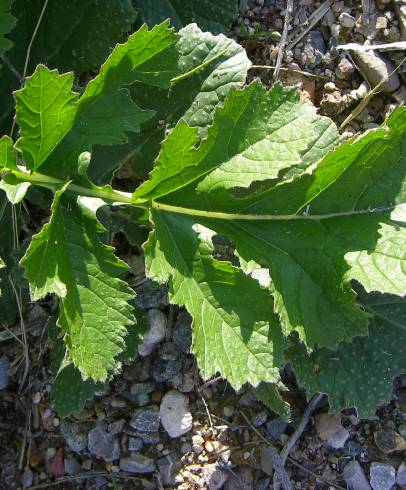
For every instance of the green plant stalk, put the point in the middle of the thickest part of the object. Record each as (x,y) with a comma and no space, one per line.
(115,196)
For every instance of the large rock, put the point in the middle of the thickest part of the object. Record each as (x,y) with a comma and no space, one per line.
(175,416)
(354,476)
(376,68)
(382,476)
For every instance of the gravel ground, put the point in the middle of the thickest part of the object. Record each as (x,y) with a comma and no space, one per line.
(158,425)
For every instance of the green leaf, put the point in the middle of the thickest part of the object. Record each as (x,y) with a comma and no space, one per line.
(69,391)
(215,16)
(14,188)
(359,373)
(305,252)
(45,110)
(270,396)
(8,156)
(105,112)
(242,343)
(213,65)
(7,22)
(67,258)
(90,28)
(266,133)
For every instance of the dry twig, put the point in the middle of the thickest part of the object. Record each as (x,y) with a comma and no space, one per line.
(282,43)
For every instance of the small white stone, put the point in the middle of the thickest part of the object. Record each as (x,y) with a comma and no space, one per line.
(347,20)
(381,23)
(175,416)
(156,333)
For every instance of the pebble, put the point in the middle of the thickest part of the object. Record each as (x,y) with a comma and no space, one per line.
(327,425)
(275,428)
(382,476)
(338,439)
(381,23)
(182,332)
(74,438)
(266,461)
(330,86)
(137,463)
(151,295)
(168,467)
(345,69)
(259,419)
(347,20)
(142,388)
(175,416)
(134,444)
(375,68)
(163,371)
(197,443)
(156,333)
(354,476)
(169,351)
(213,476)
(72,466)
(146,419)
(4,374)
(103,445)
(389,441)
(401,475)
(27,479)
(402,430)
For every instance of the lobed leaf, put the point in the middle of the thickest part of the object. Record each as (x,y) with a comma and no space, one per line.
(359,373)
(7,23)
(215,16)
(242,343)
(345,199)
(45,110)
(208,66)
(67,258)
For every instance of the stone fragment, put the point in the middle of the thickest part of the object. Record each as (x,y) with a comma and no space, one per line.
(389,441)
(72,466)
(151,295)
(175,415)
(103,445)
(327,425)
(266,461)
(338,439)
(375,68)
(146,419)
(182,332)
(382,476)
(74,437)
(213,476)
(137,463)
(275,428)
(156,333)
(354,476)
(27,479)
(347,20)
(401,475)
(134,444)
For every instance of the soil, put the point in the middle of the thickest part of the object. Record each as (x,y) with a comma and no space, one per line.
(226,446)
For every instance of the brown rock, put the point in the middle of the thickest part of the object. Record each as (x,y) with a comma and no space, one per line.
(327,425)
(389,441)
(56,466)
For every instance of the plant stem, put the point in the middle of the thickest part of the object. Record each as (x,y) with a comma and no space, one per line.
(52,183)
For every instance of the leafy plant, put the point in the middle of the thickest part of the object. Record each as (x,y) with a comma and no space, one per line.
(213,15)
(307,219)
